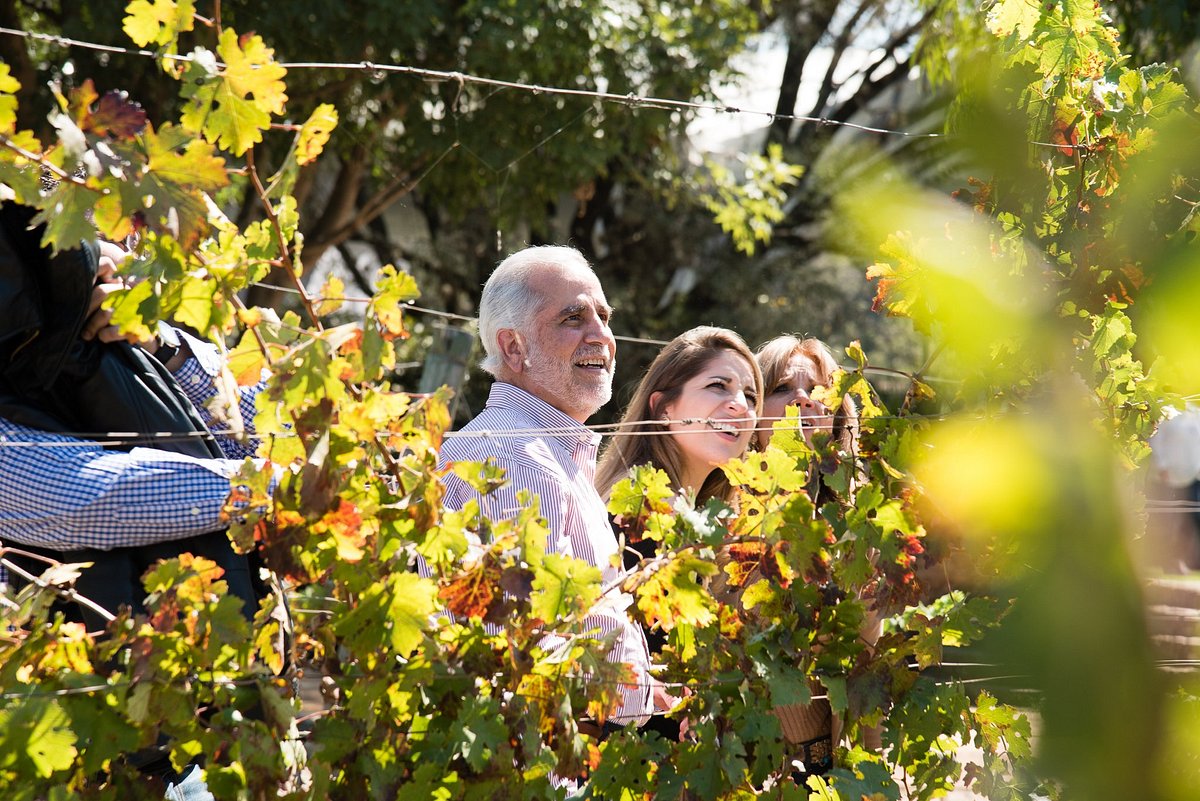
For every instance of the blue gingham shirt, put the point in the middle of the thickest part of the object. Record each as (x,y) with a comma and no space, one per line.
(65,494)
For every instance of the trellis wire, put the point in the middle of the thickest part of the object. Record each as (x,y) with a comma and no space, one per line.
(630,100)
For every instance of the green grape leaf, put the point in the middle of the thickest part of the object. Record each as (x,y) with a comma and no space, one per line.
(1004,728)
(37,732)
(176,158)
(563,587)
(220,107)
(65,214)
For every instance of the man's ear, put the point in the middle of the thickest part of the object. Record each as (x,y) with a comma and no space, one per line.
(512,349)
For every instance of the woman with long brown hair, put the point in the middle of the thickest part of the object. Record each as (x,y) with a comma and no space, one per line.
(701,397)
(694,410)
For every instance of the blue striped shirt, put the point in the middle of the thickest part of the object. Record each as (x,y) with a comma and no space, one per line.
(559,469)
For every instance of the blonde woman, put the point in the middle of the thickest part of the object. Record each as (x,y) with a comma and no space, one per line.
(793,367)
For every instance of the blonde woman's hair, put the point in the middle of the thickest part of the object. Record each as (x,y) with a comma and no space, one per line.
(679,361)
(773,358)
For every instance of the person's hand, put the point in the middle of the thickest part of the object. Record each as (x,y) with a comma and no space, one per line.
(98,324)
(814,416)
(664,701)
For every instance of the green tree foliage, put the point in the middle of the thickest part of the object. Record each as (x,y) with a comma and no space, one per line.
(763,603)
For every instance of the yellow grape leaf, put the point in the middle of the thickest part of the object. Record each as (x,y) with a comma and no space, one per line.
(251,70)
(110,217)
(16,177)
(158,22)
(393,288)
(8,104)
(315,133)
(196,165)
(332,293)
(247,361)
(1014,16)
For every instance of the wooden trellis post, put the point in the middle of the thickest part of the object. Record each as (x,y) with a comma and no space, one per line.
(447,361)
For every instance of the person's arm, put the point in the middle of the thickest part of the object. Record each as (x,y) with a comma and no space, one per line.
(197,376)
(65,494)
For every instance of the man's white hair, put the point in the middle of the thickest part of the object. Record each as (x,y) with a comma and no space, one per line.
(509,302)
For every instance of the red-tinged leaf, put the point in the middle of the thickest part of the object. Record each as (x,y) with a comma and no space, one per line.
(80,100)
(345,525)
(1065,135)
(471,593)
(115,116)
(883,290)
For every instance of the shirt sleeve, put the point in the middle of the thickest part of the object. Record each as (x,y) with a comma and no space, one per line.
(65,494)
(629,641)
(197,377)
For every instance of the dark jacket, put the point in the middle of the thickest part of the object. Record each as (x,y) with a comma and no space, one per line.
(52,380)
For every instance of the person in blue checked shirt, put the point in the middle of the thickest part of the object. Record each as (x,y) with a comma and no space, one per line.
(67,377)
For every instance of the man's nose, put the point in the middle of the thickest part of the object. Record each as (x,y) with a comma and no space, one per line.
(599,333)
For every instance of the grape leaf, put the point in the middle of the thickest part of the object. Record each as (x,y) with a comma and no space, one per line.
(158,22)
(392,288)
(175,157)
(65,214)
(9,86)
(1014,17)
(563,586)
(115,116)
(40,733)
(250,69)
(315,133)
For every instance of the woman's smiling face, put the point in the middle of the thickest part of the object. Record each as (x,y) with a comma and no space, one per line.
(720,402)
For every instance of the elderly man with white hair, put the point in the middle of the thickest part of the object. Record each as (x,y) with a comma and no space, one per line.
(544,321)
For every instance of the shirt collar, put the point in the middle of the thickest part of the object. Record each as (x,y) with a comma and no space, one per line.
(569,432)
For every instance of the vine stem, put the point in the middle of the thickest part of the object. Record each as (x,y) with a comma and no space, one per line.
(40,158)
(289,264)
(65,592)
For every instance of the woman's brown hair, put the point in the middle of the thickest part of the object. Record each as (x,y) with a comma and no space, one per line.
(680,360)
